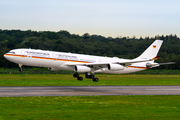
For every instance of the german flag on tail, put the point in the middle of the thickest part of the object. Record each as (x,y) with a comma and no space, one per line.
(155,58)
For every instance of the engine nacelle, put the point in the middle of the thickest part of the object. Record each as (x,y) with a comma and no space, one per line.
(115,67)
(82,69)
(149,65)
(53,69)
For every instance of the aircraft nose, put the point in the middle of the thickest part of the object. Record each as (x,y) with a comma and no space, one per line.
(5,55)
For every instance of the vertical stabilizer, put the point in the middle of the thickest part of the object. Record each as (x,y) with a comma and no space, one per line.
(151,51)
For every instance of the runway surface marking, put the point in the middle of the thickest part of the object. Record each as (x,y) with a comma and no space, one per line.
(89,90)
(162,89)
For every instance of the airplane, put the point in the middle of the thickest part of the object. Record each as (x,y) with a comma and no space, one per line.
(87,64)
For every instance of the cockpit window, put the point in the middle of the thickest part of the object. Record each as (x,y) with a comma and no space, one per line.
(11,52)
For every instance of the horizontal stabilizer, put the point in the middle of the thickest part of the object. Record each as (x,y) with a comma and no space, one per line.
(152,65)
(168,63)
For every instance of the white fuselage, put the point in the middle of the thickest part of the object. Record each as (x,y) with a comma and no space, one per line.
(60,60)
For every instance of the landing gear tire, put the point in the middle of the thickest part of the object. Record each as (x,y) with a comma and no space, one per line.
(80,78)
(76,75)
(95,79)
(89,76)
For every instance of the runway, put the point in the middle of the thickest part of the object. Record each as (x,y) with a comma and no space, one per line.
(89,90)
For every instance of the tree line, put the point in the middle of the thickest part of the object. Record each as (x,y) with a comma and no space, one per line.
(63,41)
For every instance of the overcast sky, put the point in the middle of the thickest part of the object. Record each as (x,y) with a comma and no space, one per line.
(112,18)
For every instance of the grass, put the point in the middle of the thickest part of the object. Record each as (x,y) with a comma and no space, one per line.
(37,70)
(90,107)
(147,107)
(68,80)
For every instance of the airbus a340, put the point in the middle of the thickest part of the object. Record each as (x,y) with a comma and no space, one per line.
(87,64)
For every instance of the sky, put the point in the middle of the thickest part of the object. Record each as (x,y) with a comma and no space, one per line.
(109,18)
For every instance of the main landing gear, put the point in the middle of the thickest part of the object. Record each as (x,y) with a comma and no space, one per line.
(20,67)
(77,76)
(91,76)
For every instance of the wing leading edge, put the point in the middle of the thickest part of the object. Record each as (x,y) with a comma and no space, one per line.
(122,62)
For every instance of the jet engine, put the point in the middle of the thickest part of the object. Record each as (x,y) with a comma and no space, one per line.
(82,69)
(115,67)
(53,69)
(149,65)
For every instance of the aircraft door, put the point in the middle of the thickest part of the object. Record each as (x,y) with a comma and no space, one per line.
(29,55)
(23,54)
(53,62)
(54,56)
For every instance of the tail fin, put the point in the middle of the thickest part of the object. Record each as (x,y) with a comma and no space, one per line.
(152,51)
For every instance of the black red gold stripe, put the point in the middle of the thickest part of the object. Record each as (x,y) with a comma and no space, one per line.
(137,67)
(47,58)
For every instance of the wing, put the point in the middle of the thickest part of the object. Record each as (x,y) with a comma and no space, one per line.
(104,64)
